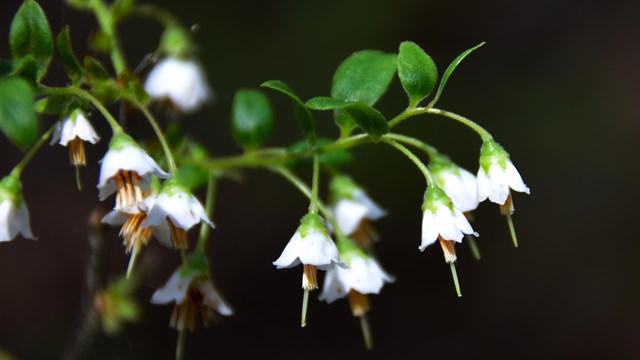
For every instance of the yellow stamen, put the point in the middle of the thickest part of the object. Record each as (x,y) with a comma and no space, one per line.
(507,208)
(449,250)
(128,189)
(77,155)
(309,281)
(359,303)
(178,235)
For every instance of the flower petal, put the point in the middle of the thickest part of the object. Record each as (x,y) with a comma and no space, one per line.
(349,214)
(429,230)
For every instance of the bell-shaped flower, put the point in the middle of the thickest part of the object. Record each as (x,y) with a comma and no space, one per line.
(126,169)
(351,205)
(73,132)
(176,206)
(441,219)
(14,215)
(191,290)
(459,184)
(363,275)
(182,81)
(497,175)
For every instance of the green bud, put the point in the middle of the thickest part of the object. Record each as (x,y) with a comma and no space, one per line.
(176,42)
(434,198)
(492,153)
(312,223)
(11,190)
(121,140)
(342,187)
(348,250)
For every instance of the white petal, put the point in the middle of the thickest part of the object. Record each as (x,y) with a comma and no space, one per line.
(314,249)
(80,127)
(429,230)
(514,179)
(213,299)
(332,288)
(364,275)
(163,234)
(183,82)
(289,257)
(14,220)
(462,223)
(349,214)
(374,211)
(484,185)
(499,185)
(175,290)
(446,225)
(461,187)
(183,210)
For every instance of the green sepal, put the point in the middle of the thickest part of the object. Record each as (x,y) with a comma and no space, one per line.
(30,35)
(362,77)
(369,120)
(26,68)
(175,185)
(69,60)
(312,223)
(251,118)
(120,140)
(196,265)
(417,72)
(349,249)
(493,153)
(342,187)
(18,120)
(302,113)
(94,70)
(11,190)
(434,198)
(176,42)
(442,162)
(454,64)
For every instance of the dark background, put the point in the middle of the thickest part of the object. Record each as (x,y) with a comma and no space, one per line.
(557,85)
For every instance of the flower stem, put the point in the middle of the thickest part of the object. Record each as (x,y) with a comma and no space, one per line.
(423,168)
(159,14)
(512,230)
(208,209)
(366,331)
(484,134)
(163,142)
(418,144)
(105,19)
(313,205)
(115,126)
(473,246)
(17,170)
(181,345)
(305,303)
(407,113)
(454,274)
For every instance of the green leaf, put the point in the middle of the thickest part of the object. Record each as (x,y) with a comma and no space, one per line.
(69,60)
(303,115)
(27,68)
(251,118)
(363,77)
(99,41)
(18,121)
(52,105)
(417,72)
(369,119)
(6,67)
(327,103)
(121,8)
(94,70)
(30,35)
(454,64)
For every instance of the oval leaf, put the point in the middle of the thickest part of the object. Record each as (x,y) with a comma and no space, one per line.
(369,119)
(30,35)
(94,70)
(417,72)
(251,118)
(362,77)
(303,115)
(450,69)
(69,60)
(18,120)
(327,103)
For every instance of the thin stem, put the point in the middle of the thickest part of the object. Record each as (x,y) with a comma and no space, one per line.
(366,331)
(313,205)
(156,13)
(205,229)
(423,168)
(17,170)
(454,274)
(484,134)
(163,142)
(115,126)
(305,304)
(473,246)
(181,344)
(512,230)
(105,19)
(418,144)
(406,114)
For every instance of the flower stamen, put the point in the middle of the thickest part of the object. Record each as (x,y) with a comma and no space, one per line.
(77,155)
(178,235)
(309,281)
(359,303)
(449,250)
(128,189)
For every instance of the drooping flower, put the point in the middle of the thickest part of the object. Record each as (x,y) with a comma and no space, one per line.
(353,209)
(73,132)
(497,175)
(191,290)
(459,184)
(177,207)
(126,169)
(182,81)
(14,215)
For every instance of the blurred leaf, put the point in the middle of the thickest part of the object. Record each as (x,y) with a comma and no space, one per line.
(369,119)
(52,105)
(30,35)
(303,115)
(417,72)
(27,68)
(99,41)
(94,70)
(121,8)
(334,158)
(18,120)
(194,176)
(133,89)
(454,64)
(327,103)
(251,118)
(69,60)
(6,67)
(363,77)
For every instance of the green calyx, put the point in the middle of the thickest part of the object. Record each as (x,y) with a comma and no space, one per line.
(196,264)
(174,186)
(311,223)
(176,42)
(493,153)
(342,187)
(121,140)
(11,190)
(441,163)
(349,250)
(434,198)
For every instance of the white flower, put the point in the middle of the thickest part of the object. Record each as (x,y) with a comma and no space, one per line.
(76,126)
(126,168)
(134,229)
(14,215)
(350,212)
(441,219)
(363,275)
(310,245)
(183,82)
(497,175)
(459,184)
